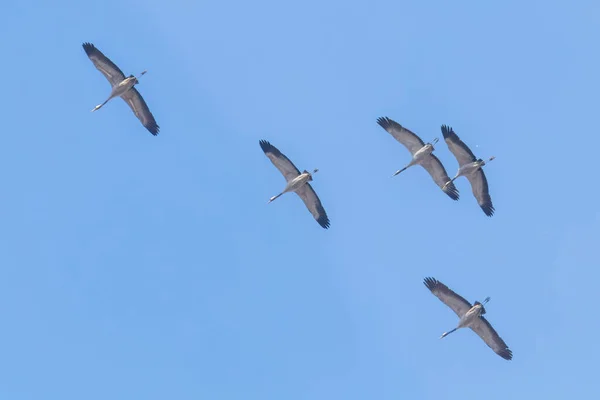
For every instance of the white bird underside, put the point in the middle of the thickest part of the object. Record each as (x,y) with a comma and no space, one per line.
(115,76)
(479,325)
(301,187)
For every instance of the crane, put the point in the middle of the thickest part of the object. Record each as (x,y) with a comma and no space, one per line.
(471,316)
(122,87)
(470,167)
(296,182)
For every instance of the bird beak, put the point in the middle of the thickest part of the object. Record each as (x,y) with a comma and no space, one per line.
(434,141)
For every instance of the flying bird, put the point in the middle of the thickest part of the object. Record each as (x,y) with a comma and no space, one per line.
(296,182)
(422,154)
(471,167)
(122,87)
(470,316)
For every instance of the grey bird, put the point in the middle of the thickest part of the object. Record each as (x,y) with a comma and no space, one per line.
(296,182)
(471,316)
(122,87)
(422,154)
(471,167)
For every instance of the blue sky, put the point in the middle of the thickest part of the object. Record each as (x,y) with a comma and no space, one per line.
(141,267)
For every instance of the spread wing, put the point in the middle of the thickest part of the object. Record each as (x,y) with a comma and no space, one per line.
(411,141)
(283,164)
(461,151)
(141,110)
(437,171)
(481,192)
(104,65)
(485,331)
(312,202)
(457,303)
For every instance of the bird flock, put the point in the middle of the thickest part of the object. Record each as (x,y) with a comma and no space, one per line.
(469,166)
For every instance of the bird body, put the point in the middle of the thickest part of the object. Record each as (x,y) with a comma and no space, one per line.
(296,183)
(124,86)
(119,89)
(470,318)
(419,157)
(470,169)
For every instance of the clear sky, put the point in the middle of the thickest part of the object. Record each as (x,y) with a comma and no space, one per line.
(141,267)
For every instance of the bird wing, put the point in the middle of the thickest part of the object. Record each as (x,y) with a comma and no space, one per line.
(310,198)
(437,171)
(140,108)
(283,164)
(485,331)
(480,189)
(461,151)
(104,65)
(457,303)
(410,140)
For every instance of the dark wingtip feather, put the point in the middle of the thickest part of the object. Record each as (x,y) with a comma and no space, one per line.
(488,209)
(153,128)
(385,122)
(431,283)
(89,48)
(324,221)
(506,354)
(265,146)
(452,191)
(447,131)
